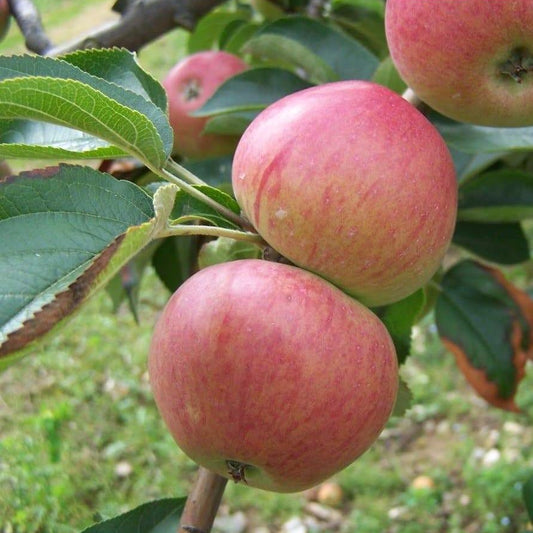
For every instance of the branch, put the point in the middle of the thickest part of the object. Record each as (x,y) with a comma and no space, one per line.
(29,21)
(141,22)
(202,503)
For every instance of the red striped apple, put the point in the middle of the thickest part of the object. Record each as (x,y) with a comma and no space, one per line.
(269,375)
(471,60)
(189,84)
(352,182)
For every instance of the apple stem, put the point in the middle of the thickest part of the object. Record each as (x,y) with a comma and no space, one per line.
(184,173)
(212,231)
(411,97)
(203,503)
(184,180)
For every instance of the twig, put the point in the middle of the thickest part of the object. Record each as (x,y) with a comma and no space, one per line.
(29,21)
(141,22)
(203,502)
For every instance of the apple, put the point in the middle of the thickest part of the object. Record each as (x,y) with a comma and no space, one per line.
(5,19)
(471,60)
(352,182)
(188,85)
(269,375)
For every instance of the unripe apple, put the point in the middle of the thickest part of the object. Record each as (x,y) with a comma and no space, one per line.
(189,84)
(471,60)
(4,18)
(270,375)
(352,182)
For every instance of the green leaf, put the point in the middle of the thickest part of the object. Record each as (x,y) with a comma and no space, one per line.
(399,318)
(160,516)
(210,28)
(479,318)
(252,90)
(240,34)
(527,491)
(325,53)
(175,260)
(230,123)
(223,249)
(499,196)
(189,209)
(404,399)
(387,75)
(474,139)
(215,171)
(119,66)
(67,231)
(468,165)
(53,91)
(364,19)
(504,243)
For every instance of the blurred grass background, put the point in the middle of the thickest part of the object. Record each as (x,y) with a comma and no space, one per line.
(80,438)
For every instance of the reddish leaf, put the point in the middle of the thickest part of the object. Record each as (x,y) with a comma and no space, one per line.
(487,323)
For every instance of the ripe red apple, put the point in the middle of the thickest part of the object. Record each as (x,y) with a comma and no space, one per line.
(4,18)
(471,60)
(189,84)
(268,374)
(352,182)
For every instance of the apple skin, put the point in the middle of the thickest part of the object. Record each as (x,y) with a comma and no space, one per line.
(189,84)
(271,366)
(5,18)
(350,181)
(451,54)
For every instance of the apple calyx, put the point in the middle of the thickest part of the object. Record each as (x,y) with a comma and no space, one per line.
(237,470)
(191,90)
(518,65)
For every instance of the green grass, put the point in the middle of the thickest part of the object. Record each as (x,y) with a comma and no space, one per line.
(79,409)
(81,439)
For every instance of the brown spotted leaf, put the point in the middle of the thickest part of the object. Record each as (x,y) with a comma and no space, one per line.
(486,322)
(65,232)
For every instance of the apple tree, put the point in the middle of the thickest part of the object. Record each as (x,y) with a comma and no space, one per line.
(378,177)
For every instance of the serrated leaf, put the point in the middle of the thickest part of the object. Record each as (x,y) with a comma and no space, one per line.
(252,90)
(160,516)
(399,319)
(486,323)
(498,196)
(67,231)
(474,139)
(387,75)
(120,66)
(326,54)
(502,243)
(51,90)
(239,36)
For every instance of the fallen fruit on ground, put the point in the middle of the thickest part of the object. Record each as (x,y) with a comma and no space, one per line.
(350,181)
(189,84)
(470,60)
(267,374)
